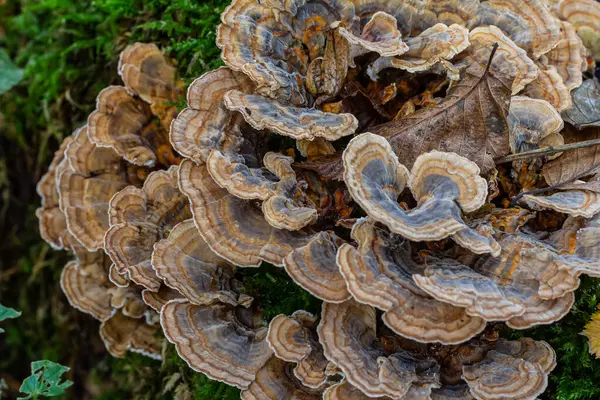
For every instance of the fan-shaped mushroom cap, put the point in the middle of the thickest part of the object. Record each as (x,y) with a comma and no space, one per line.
(510,61)
(313,267)
(535,351)
(514,25)
(547,28)
(585,111)
(529,284)
(206,124)
(439,181)
(294,339)
(380,34)
(120,280)
(138,219)
(52,221)
(157,299)
(94,176)
(584,15)
(124,123)
(295,122)
(549,86)
(285,206)
(578,203)
(440,42)
(223,342)
(503,376)
(569,56)
(233,228)
(379,273)
(347,333)
(275,381)
(147,73)
(87,287)
(185,263)
(530,121)
(345,391)
(121,333)
(253,42)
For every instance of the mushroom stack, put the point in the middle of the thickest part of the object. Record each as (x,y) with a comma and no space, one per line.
(419,166)
(105,185)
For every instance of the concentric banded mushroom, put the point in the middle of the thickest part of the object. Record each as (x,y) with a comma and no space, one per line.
(221,341)
(121,334)
(313,267)
(233,228)
(584,15)
(94,175)
(185,263)
(549,86)
(530,121)
(294,339)
(138,219)
(347,332)
(442,183)
(379,273)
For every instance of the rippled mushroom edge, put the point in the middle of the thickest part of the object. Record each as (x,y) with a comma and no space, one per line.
(267,212)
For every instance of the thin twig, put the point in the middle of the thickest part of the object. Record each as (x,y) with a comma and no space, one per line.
(547,151)
(518,197)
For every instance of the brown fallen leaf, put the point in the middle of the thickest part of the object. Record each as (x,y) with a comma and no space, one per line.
(585,110)
(326,75)
(576,163)
(471,121)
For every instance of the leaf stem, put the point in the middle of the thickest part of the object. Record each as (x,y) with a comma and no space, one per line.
(547,151)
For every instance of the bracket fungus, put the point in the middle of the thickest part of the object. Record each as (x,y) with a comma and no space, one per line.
(464,99)
(138,218)
(226,343)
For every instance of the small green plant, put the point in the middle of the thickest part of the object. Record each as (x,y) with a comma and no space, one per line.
(10,74)
(45,380)
(6,313)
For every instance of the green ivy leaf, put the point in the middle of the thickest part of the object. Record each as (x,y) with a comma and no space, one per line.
(10,74)
(5,312)
(45,380)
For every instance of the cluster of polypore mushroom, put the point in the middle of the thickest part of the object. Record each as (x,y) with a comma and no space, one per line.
(396,158)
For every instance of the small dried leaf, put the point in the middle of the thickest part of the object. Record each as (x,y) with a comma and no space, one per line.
(471,122)
(576,163)
(586,105)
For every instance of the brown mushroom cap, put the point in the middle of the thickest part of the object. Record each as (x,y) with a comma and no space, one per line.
(233,228)
(547,28)
(185,263)
(220,341)
(379,273)
(529,284)
(121,334)
(124,123)
(138,219)
(294,339)
(52,221)
(157,299)
(440,42)
(380,34)
(285,206)
(295,122)
(94,176)
(206,124)
(569,56)
(275,381)
(147,73)
(530,121)
(549,86)
(313,267)
(440,182)
(584,15)
(87,287)
(510,61)
(503,376)
(578,203)
(347,333)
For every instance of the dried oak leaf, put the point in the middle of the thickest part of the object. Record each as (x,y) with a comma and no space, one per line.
(576,163)
(471,121)
(586,105)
